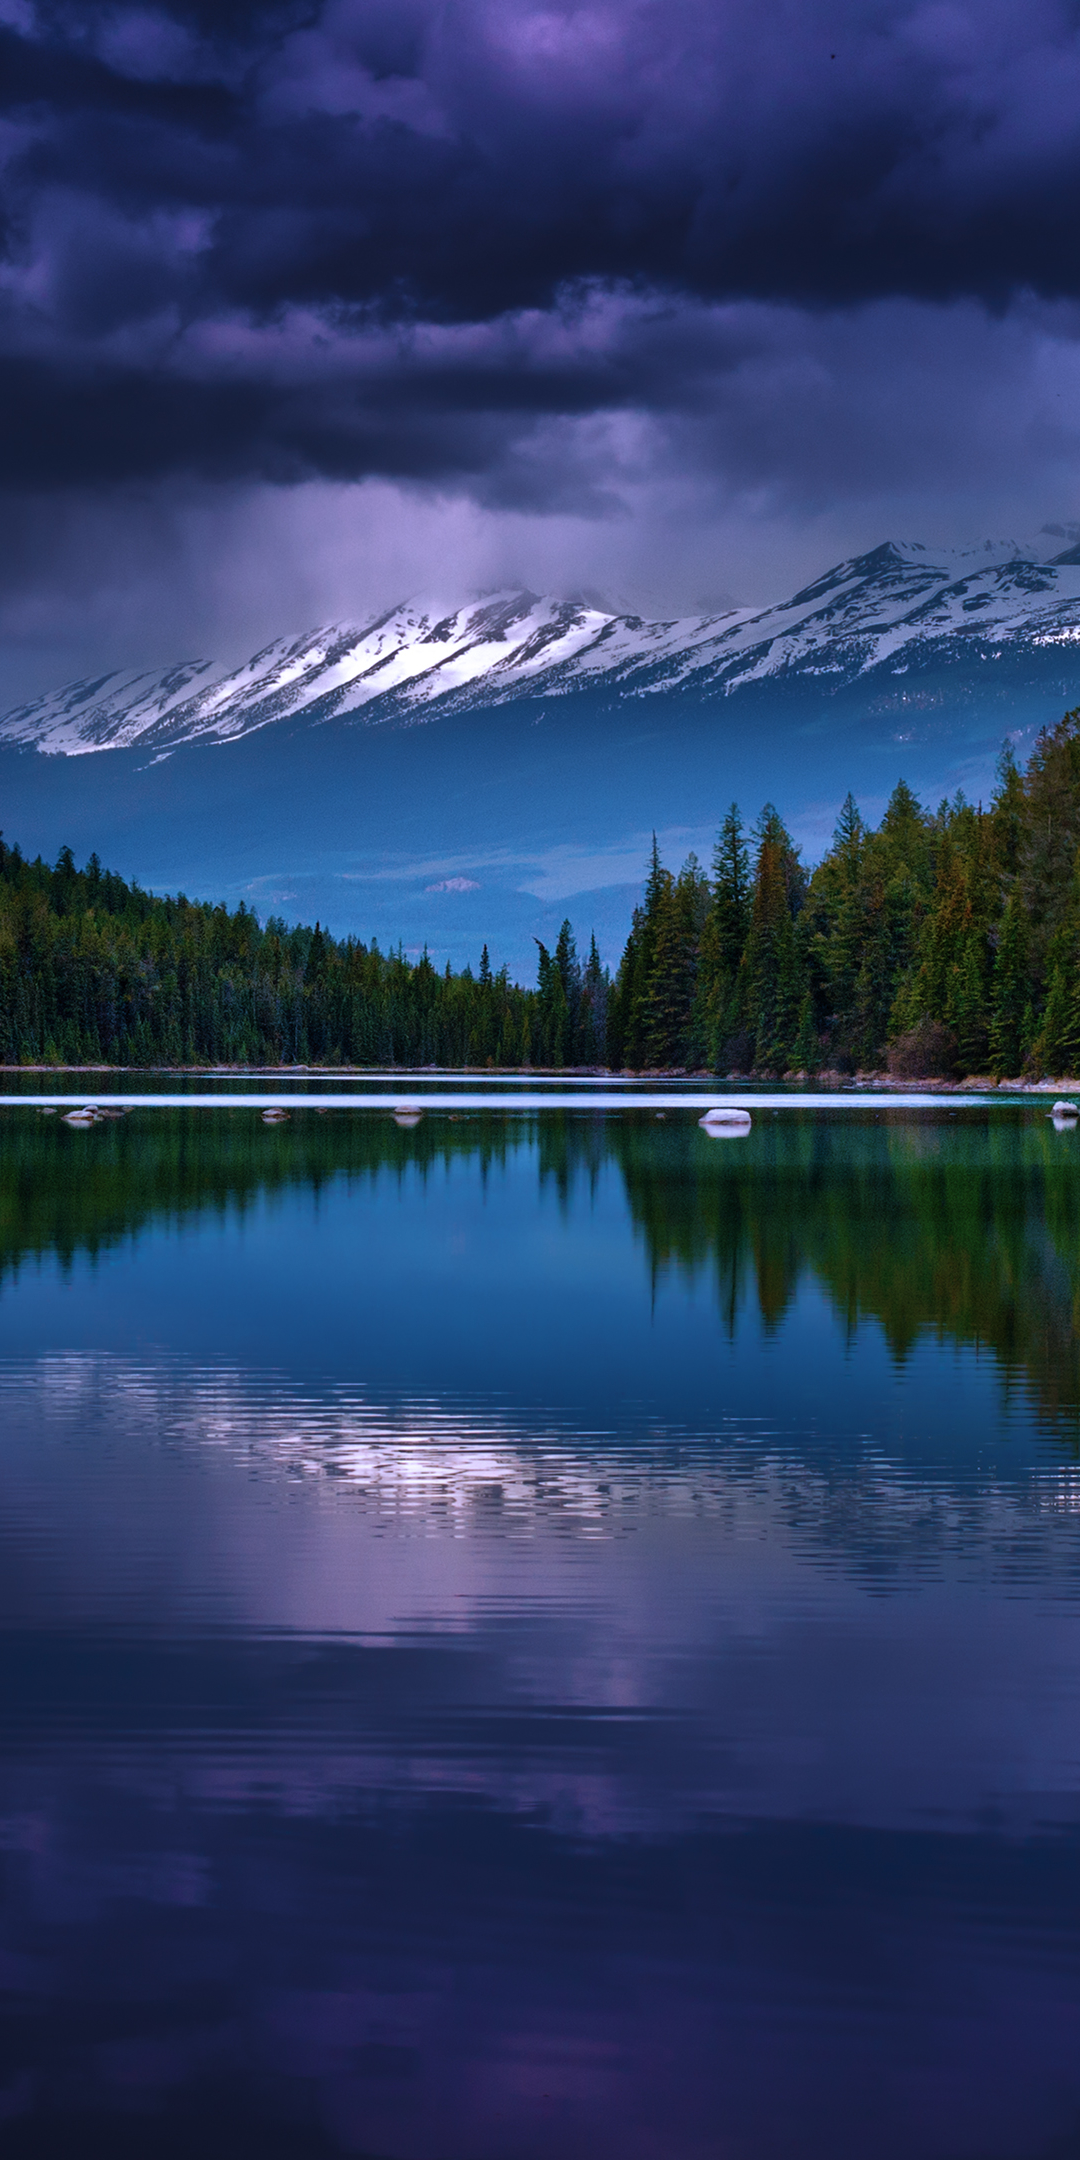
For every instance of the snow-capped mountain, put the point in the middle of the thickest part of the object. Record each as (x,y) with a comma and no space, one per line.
(878,622)
(455,774)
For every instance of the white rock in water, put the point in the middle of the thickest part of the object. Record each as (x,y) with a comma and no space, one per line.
(723,1124)
(1065,1110)
(407,1113)
(275,1117)
(79,1117)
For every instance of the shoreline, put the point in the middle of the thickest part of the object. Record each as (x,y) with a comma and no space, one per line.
(828,1081)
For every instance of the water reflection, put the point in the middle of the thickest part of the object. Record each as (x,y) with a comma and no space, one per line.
(966,1228)
(539,1637)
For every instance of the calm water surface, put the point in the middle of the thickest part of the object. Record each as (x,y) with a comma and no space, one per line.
(540,1636)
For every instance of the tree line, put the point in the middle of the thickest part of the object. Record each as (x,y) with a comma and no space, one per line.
(93,970)
(942,941)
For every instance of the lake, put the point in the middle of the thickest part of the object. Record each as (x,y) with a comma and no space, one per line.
(540,1633)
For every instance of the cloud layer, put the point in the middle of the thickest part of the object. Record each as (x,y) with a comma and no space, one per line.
(714,267)
(270,241)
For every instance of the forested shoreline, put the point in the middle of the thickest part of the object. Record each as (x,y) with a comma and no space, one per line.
(944,942)
(94,970)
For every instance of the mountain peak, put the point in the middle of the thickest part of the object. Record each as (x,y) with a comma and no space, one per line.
(889,611)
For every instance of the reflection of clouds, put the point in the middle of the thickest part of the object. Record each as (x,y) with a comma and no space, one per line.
(619,1629)
(436,1468)
(400,1764)
(426,1463)
(449,1467)
(1057,1492)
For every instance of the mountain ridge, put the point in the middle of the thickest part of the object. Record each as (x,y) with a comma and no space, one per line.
(896,611)
(447,773)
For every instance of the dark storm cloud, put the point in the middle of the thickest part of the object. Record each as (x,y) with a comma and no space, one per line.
(824,153)
(359,239)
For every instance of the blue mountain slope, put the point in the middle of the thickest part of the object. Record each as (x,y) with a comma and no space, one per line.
(449,776)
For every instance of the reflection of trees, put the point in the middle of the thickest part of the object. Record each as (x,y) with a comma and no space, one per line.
(968,1232)
(966,1229)
(67,1192)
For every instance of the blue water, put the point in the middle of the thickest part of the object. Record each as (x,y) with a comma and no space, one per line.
(544,1637)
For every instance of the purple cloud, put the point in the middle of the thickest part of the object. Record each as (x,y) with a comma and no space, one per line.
(711,293)
(251,241)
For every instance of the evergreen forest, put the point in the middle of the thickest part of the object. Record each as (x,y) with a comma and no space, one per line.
(942,942)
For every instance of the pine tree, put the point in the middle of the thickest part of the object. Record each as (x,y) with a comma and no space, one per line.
(1049,834)
(717,1016)
(832,932)
(636,976)
(670,988)
(948,982)
(1010,998)
(774,984)
(1007,813)
(567,963)
(1056,1048)
(968,1006)
(553,1013)
(897,884)
(622,994)
(594,1002)
(806,1050)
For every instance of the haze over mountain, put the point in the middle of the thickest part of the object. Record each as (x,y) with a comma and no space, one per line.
(449,773)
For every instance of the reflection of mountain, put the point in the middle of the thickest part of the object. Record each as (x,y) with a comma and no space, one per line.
(967,1230)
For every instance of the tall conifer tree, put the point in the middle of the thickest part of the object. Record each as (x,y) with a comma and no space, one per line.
(681,910)
(774,975)
(718,1018)
(1011,992)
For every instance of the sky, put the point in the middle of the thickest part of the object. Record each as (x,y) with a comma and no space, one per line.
(306,305)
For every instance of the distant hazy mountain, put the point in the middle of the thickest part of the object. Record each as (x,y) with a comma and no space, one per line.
(447,773)
(882,621)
